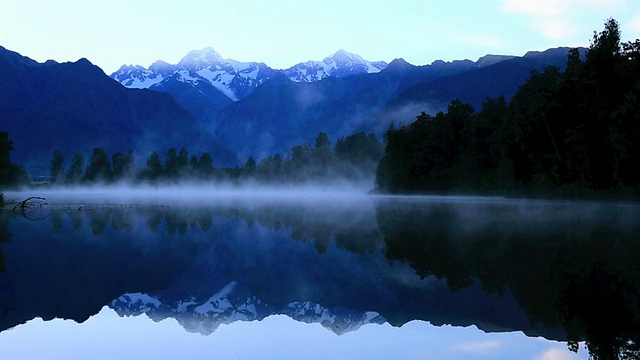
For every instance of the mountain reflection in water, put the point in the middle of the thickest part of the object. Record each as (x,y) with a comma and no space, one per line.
(565,271)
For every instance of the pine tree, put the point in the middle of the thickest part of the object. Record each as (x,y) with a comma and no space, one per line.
(76,169)
(56,168)
(99,167)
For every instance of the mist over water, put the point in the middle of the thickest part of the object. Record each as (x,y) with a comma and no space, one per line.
(198,194)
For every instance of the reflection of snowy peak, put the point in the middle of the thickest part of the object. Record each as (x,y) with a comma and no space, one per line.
(339,64)
(338,320)
(236,79)
(235,303)
(227,305)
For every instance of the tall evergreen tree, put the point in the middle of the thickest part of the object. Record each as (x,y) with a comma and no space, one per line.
(99,167)
(56,167)
(171,164)
(153,167)
(205,164)
(249,167)
(123,164)
(76,169)
(6,146)
(183,161)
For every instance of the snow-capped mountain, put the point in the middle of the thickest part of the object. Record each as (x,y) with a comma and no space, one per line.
(339,64)
(232,78)
(137,77)
(232,303)
(236,79)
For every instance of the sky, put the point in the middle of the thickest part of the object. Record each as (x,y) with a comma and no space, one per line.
(108,336)
(282,33)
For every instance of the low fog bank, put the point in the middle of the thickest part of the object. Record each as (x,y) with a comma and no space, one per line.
(206,193)
(203,193)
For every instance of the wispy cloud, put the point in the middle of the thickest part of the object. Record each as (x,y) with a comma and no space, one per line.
(558,7)
(633,27)
(557,354)
(479,347)
(563,20)
(556,29)
(535,7)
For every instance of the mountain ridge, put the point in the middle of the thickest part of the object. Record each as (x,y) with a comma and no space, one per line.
(76,107)
(237,79)
(279,114)
(234,302)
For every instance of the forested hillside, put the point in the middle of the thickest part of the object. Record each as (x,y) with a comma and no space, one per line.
(566,132)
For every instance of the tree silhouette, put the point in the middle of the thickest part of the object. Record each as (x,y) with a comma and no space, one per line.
(153,168)
(10,174)
(56,167)
(123,164)
(205,164)
(6,146)
(249,167)
(76,169)
(171,164)
(99,167)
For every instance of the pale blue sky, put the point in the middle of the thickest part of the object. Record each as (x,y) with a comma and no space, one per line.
(283,33)
(276,337)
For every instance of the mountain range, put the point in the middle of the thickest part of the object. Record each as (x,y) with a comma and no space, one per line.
(235,302)
(234,79)
(267,111)
(233,109)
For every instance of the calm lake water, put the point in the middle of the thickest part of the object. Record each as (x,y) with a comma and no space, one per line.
(171,274)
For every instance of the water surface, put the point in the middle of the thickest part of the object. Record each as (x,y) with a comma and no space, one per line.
(169,274)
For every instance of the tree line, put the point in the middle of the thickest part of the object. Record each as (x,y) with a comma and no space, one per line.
(352,157)
(571,132)
(10,174)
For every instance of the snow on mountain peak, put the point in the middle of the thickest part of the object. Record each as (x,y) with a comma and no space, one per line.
(201,58)
(162,67)
(342,57)
(136,77)
(340,63)
(237,79)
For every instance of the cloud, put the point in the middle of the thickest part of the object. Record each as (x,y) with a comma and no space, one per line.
(536,7)
(633,27)
(557,354)
(558,7)
(556,29)
(479,347)
(564,20)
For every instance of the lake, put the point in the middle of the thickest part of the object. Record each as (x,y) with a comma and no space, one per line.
(207,273)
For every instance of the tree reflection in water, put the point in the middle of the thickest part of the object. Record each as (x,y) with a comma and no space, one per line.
(5,237)
(568,264)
